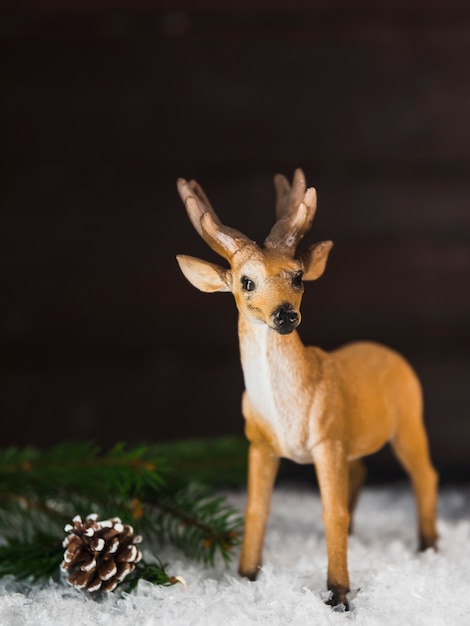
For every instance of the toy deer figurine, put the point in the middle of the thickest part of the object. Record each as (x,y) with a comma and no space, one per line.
(302,403)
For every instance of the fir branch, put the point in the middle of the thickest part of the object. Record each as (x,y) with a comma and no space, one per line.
(20,506)
(81,468)
(35,558)
(154,573)
(220,462)
(40,490)
(72,478)
(198,523)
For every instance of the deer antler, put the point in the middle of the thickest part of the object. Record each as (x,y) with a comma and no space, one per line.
(287,197)
(222,239)
(295,210)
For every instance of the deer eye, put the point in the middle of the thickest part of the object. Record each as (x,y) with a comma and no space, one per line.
(297,280)
(248,284)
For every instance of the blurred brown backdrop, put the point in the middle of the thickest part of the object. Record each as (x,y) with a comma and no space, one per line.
(106,103)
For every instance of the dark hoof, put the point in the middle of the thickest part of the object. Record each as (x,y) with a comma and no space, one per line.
(427,542)
(338,600)
(338,607)
(250,575)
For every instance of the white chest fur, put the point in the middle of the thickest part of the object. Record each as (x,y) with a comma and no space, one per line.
(278,392)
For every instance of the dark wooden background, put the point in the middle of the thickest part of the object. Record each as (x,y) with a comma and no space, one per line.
(106,103)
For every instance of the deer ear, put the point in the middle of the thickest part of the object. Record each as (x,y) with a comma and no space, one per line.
(204,275)
(314,259)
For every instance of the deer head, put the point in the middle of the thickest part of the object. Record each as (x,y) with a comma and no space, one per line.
(267,280)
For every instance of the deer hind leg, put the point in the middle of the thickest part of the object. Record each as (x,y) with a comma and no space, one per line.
(357,476)
(262,470)
(410,445)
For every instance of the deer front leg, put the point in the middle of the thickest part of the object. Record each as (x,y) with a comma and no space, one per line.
(262,470)
(332,473)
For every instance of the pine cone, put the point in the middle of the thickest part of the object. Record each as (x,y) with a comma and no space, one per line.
(99,554)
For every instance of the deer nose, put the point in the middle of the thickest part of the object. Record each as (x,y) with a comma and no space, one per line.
(285,319)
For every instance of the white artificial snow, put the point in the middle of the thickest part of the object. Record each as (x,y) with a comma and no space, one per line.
(391,584)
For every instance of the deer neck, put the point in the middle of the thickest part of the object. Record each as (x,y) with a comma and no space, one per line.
(283,389)
(259,341)
(273,364)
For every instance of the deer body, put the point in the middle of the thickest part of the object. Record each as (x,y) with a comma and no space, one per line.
(303,403)
(293,405)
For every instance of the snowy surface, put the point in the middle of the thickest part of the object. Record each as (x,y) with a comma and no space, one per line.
(392,584)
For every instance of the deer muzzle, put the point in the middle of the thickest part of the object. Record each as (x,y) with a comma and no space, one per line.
(285,319)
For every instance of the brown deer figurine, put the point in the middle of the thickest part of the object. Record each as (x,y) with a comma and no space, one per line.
(300,402)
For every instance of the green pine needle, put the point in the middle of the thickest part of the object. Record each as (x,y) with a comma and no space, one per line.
(154,573)
(220,462)
(34,558)
(199,523)
(150,488)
